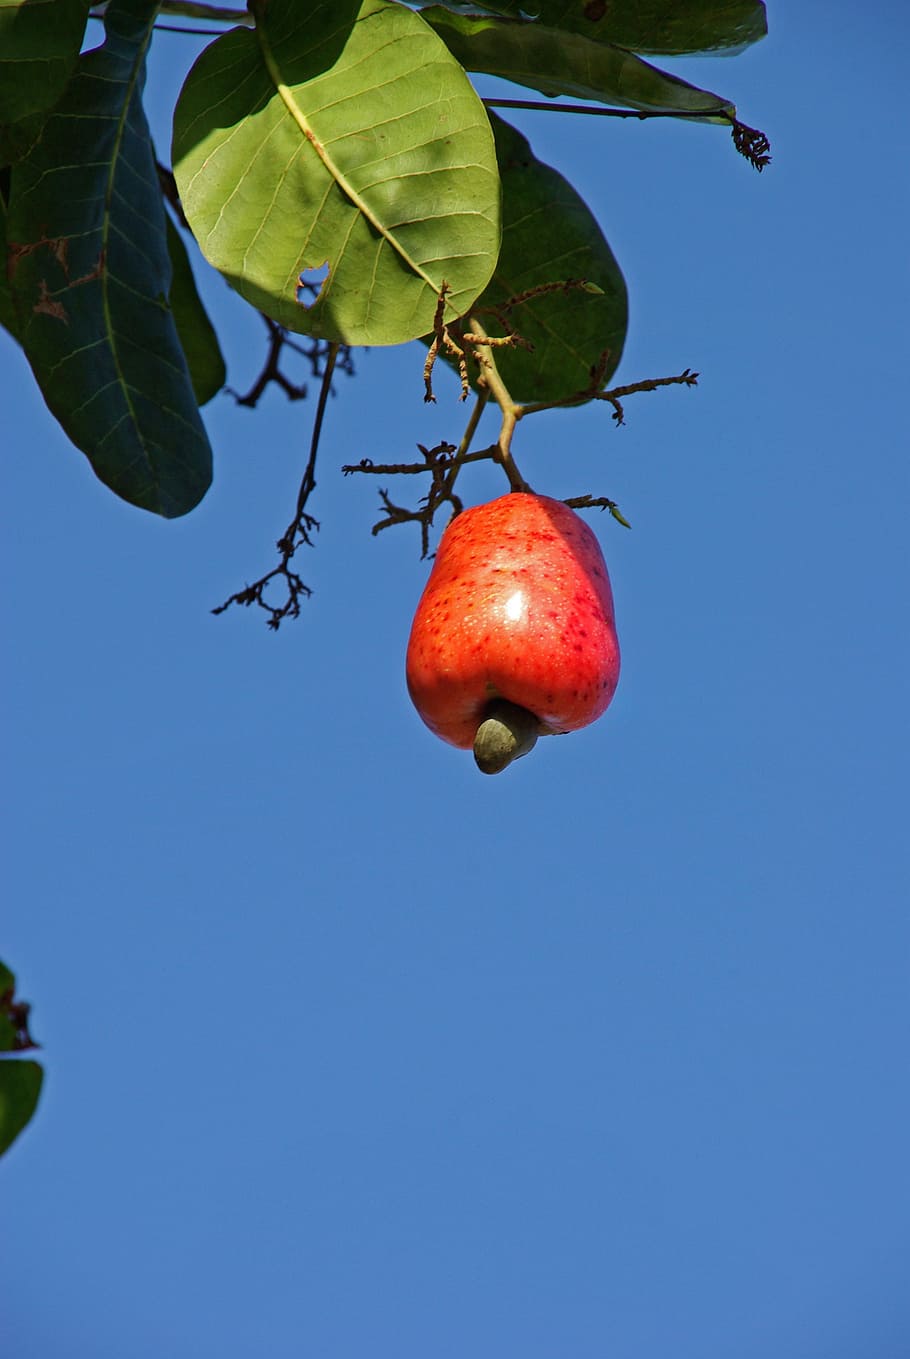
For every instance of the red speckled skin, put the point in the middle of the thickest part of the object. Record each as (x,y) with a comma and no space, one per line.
(518,606)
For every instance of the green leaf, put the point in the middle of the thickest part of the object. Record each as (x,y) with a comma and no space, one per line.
(352,141)
(7,310)
(550,235)
(7,980)
(90,276)
(557,62)
(20,1086)
(658,27)
(197,334)
(39,46)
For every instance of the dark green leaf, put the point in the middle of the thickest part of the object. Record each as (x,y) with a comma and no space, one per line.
(7,980)
(657,27)
(39,46)
(362,146)
(550,235)
(197,334)
(558,62)
(8,317)
(90,276)
(20,1086)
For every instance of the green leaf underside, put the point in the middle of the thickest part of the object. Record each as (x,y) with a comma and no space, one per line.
(20,1086)
(39,47)
(550,235)
(197,334)
(371,152)
(556,62)
(90,275)
(656,27)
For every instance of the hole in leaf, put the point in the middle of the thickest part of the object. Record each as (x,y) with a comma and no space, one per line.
(310,284)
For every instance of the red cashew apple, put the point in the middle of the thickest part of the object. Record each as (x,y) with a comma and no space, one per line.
(514,635)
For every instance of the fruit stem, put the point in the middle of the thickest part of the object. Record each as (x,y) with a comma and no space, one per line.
(491,379)
(506,733)
(462,451)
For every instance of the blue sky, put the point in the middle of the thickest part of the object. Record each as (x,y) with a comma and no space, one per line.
(351,1051)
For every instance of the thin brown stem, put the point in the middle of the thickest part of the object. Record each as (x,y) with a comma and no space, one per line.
(686,379)
(394,469)
(461,453)
(437,461)
(597,502)
(491,378)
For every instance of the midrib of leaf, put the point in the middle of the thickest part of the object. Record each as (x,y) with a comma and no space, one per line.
(107,274)
(300,118)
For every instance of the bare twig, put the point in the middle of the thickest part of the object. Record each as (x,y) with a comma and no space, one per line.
(271,371)
(438,462)
(686,379)
(510,341)
(396,469)
(442,462)
(444,338)
(297,533)
(593,393)
(316,353)
(599,502)
(567,285)
(439,331)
